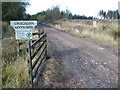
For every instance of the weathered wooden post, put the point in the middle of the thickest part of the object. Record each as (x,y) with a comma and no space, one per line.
(30,62)
(18,48)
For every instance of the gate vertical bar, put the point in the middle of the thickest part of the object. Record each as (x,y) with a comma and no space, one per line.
(30,63)
(46,47)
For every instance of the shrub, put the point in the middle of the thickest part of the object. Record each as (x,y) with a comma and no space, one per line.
(7,30)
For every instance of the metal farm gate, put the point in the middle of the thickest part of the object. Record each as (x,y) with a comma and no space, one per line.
(36,54)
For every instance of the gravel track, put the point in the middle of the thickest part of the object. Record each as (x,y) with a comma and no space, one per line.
(87,63)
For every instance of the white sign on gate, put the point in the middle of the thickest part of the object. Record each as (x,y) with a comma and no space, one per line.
(23,29)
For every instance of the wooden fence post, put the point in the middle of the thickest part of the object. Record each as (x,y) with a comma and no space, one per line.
(18,48)
(30,63)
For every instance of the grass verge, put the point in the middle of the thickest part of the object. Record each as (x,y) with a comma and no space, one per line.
(15,75)
(105,31)
(14,69)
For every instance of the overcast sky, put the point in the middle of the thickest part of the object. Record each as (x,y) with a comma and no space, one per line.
(82,7)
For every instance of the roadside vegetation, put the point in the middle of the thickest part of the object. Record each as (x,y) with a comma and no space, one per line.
(105,30)
(14,69)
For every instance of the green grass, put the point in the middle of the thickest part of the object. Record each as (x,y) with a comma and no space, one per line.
(106,30)
(15,75)
(14,69)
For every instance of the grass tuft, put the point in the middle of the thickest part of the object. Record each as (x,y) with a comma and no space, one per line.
(15,75)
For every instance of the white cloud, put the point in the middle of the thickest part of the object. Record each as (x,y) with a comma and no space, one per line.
(86,7)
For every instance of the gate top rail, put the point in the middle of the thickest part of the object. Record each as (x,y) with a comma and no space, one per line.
(33,44)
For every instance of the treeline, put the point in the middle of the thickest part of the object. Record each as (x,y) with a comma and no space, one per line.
(17,11)
(55,14)
(110,14)
(14,11)
(81,17)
